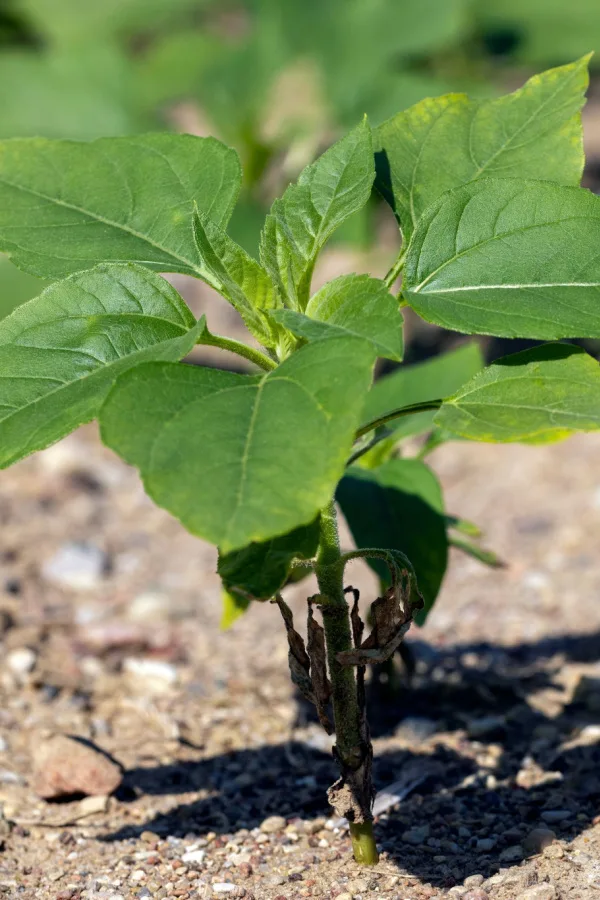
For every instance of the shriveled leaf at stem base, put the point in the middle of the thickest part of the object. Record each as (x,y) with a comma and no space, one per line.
(312,683)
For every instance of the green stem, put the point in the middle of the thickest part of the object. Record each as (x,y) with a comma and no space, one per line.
(338,637)
(394,272)
(255,356)
(363,844)
(398,414)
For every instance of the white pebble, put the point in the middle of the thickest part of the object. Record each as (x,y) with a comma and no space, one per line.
(224,887)
(80,567)
(21,661)
(194,856)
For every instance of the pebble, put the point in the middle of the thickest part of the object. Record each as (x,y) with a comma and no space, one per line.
(417,835)
(21,661)
(487,725)
(224,887)
(543,891)
(473,881)
(484,845)
(556,815)
(91,805)
(153,676)
(150,606)
(476,894)
(344,896)
(513,853)
(273,824)
(194,856)
(416,729)
(78,566)
(538,839)
(64,766)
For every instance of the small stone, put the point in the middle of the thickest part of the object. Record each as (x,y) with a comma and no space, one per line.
(476,894)
(486,726)
(484,845)
(63,766)
(152,676)
(344,896)
(276,880)
(21,661)
(224,887)
(273,824)
(556,815)
(149,837)
(473,881)
(513,853)
(538,839)
(138,875)
(150,606)
(77,566)
(194,857)
(416,729)
(89,806)
(417,835)
(544,891)
(554,851)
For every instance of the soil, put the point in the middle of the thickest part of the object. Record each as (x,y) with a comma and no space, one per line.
(496,735)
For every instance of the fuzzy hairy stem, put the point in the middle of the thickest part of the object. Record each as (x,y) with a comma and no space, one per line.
(352,795)
(254,356)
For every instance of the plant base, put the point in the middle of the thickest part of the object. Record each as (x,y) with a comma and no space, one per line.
(363,844)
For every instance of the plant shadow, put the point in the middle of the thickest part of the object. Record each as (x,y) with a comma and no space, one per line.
(471,813)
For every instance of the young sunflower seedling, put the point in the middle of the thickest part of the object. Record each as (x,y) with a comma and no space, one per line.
(497,239)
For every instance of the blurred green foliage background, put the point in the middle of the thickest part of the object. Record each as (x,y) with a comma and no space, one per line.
(277,79)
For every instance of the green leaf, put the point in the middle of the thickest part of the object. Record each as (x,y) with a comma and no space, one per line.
(242,458)
(60,353)
(262,569)
(445,142)
(238,277)
(327,193)
(399,506)
(234,606)
(16,287)
(547,30)
(419,383)
(352,304)
(539,395)
(66,206)
(510,258)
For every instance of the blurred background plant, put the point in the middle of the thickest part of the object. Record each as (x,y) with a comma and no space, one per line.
(276,79)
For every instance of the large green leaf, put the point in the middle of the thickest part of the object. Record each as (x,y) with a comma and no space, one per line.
(510,258)
(445,142)
(399,506)
(262,569)
(66,206)
(242,458)
(351,304)
(419,383)
(60,353)
(327,193)
(538,395)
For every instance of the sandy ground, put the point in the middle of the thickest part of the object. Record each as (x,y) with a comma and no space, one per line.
(498,735)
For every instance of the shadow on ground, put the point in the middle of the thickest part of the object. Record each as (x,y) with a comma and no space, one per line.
(472,793)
